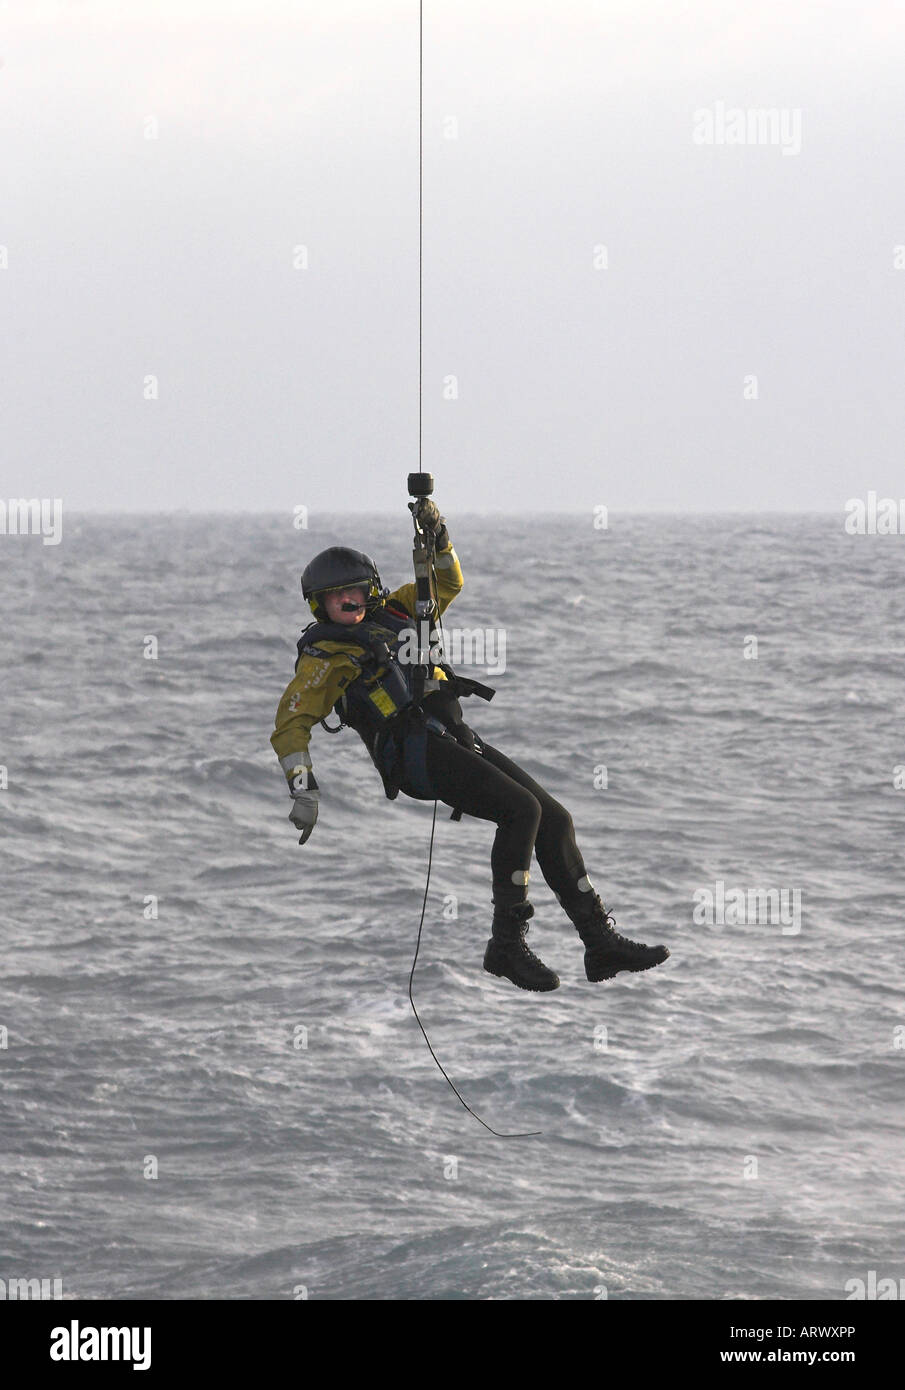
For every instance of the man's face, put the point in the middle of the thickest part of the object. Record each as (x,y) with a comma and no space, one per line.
(333,602)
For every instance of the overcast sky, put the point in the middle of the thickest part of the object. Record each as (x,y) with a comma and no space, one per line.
(284,125)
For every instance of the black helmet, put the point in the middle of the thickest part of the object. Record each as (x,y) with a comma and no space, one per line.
(340,568)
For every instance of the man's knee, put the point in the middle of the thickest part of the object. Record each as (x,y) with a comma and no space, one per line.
(557,820)
(526,807)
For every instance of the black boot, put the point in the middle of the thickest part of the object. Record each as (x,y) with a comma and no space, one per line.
(507,953)
(606,952)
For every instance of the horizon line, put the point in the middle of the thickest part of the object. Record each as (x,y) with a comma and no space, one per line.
(395,511)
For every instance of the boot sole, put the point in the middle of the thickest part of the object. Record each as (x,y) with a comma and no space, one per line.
(494,966)
(604,974)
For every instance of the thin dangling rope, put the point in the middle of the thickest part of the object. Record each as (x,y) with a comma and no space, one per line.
(526,1134)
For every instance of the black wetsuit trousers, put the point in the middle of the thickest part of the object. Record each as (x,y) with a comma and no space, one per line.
(492,787)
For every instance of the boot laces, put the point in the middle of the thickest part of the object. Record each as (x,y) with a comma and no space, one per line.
(607,921)
(521,930)
(518,914)
(523,948)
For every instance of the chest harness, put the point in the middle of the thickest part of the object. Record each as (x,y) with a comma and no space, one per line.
(379,702)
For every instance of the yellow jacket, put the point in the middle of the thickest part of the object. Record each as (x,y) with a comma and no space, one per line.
(318,683)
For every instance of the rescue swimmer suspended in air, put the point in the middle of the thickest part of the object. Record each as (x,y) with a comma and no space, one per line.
(355,660)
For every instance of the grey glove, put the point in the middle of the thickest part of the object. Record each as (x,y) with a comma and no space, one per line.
(304,813)
(428,516)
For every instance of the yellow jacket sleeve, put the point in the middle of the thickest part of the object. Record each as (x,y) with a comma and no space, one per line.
(309,697)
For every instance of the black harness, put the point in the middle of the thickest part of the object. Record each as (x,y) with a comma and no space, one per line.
(378,703)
